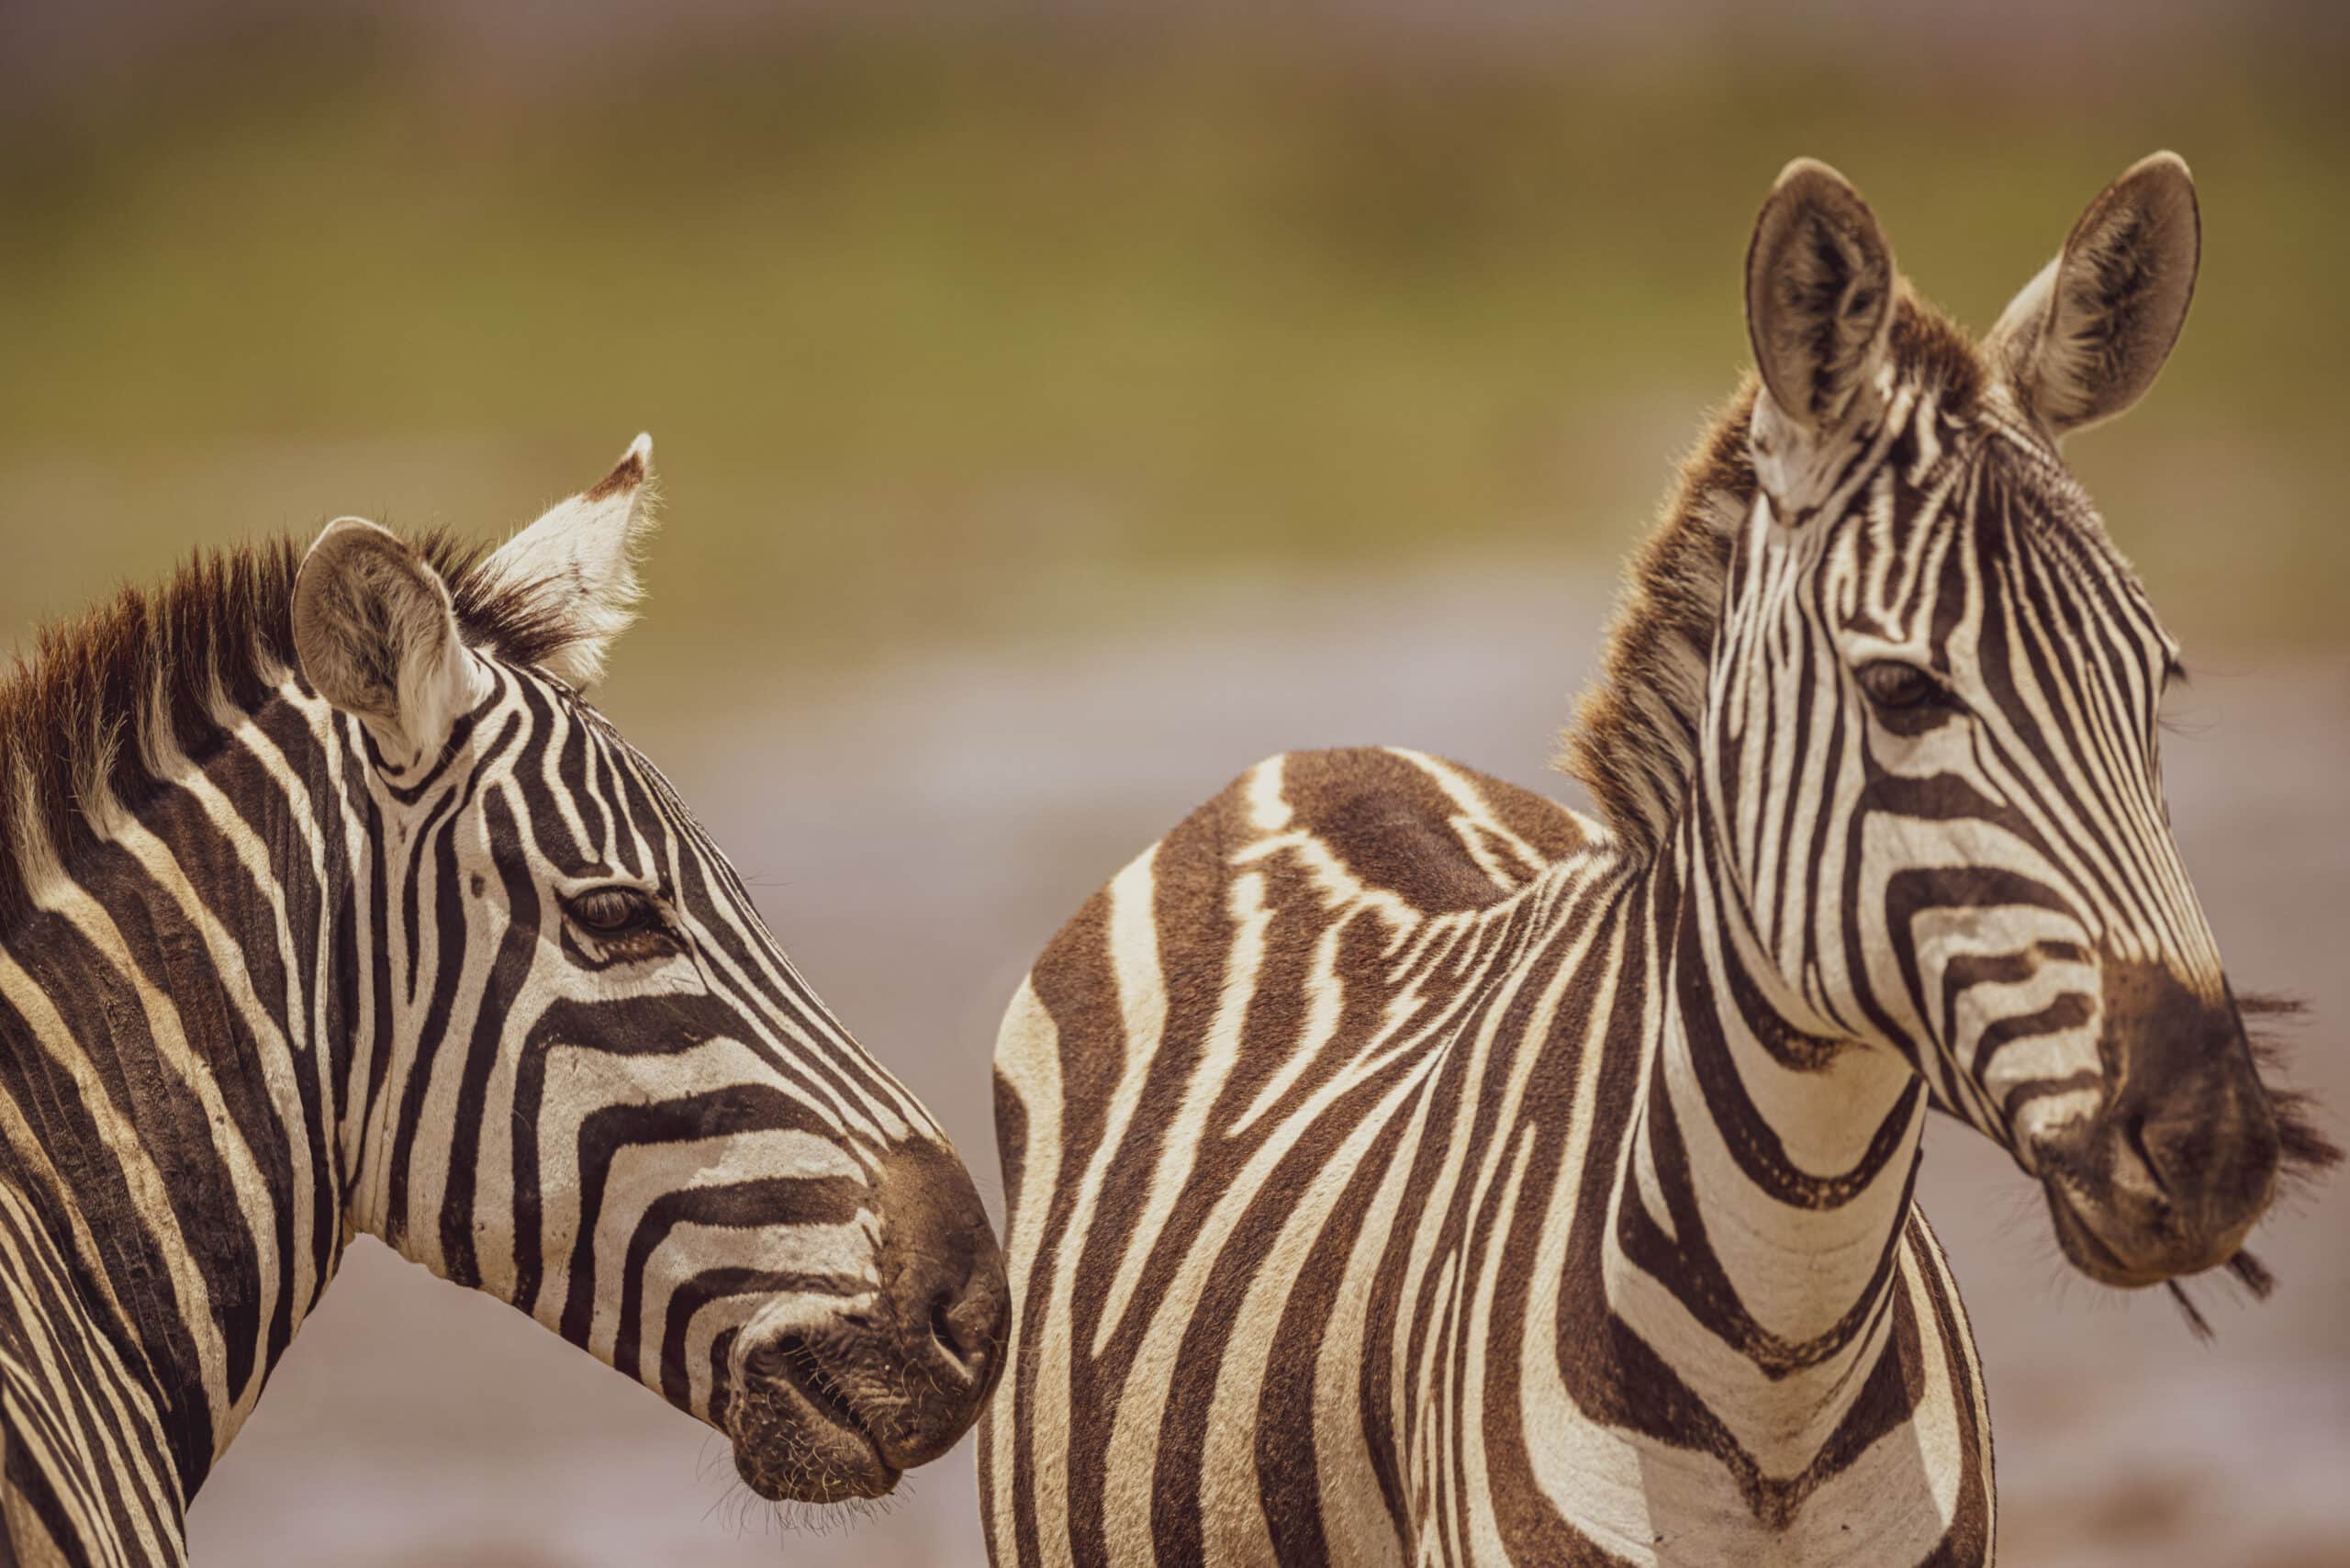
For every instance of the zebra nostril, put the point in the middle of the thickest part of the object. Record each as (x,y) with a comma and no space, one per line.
(2133,1136)
(771,1359)
(943,1309)
(942,1326)
(954,1322)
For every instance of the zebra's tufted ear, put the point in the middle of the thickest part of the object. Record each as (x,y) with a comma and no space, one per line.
(2085,337)
(571,576)
(378,636)
(1819,293)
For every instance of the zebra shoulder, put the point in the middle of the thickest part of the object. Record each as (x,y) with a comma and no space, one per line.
(1078,1045)
(1433,834)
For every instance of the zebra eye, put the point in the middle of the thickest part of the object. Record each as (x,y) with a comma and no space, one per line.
(1893,685)
(616,911)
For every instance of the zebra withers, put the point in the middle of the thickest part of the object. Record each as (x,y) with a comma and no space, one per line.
(1402,1169)
(327,904)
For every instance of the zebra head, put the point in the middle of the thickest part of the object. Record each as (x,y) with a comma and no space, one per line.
(1930,751)
(595,1085)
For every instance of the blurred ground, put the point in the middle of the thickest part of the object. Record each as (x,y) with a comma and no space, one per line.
(938,818)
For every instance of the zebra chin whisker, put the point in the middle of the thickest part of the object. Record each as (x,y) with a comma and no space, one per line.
(796,1517)
(2197,1324)
(2252,1275)
(2247,1271)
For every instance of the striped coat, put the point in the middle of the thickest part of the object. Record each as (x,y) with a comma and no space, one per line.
(329,905)
(1354,1141)
(1404,1169)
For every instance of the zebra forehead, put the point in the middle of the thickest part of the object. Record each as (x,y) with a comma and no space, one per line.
(2006,528)
(628,782)
(2049,511)
(2040,538)
(1632,740)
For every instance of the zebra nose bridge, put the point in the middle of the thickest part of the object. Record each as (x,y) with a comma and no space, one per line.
(2160,1022)
(2160,914)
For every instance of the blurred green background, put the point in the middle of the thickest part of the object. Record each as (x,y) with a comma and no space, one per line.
(955,326)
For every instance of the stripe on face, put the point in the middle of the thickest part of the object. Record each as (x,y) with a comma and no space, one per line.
(1950,880)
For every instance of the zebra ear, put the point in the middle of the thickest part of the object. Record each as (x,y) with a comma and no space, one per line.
(1819,293)
(377,637)
(571,575)
(2085,337)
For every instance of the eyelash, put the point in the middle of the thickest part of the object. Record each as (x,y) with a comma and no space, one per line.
(1896,687)
(615,914)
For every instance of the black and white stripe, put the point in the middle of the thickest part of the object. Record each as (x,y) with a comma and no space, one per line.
(330,905)
(1406,1170)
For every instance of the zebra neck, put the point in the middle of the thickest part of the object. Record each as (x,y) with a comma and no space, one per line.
(179,1001)
(1763,1196)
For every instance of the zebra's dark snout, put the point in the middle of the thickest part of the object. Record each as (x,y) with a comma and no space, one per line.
(952,1317)
(2181,1162)
(945,1309)
(828,1405)
(800,1423)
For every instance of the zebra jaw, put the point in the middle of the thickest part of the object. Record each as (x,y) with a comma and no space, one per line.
(799,1428)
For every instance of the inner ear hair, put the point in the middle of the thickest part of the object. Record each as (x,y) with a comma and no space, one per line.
(376,635)
(566,586)
(1819,292)
(2086,339)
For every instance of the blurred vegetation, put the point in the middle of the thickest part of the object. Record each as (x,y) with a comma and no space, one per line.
(943,333)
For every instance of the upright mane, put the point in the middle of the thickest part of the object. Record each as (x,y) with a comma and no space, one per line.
(110,704)
(1634,739)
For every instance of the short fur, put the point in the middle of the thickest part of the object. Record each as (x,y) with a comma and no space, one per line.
(1400,1169)
(270,984)
(89,717)
(1635,735)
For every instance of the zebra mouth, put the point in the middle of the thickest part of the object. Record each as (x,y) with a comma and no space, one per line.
(797,1436)
(2087,1251)
(2165,1252)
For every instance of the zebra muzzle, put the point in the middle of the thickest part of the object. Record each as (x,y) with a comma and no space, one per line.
(800,1427)
(839,1405)
(2171,1175)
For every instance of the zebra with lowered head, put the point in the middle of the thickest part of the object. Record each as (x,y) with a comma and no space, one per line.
(326,904)
(1402,1169)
